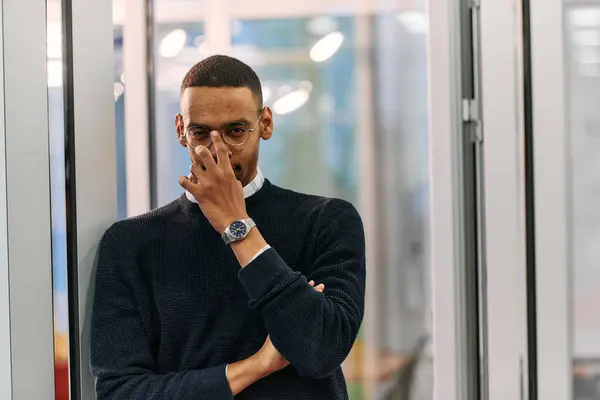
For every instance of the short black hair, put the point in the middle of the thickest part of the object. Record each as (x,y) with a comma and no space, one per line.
(223,71)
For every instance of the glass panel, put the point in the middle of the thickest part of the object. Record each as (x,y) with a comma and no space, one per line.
(314,150)
(583,82)
(177,48)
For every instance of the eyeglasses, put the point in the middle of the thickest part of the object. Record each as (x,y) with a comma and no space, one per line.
(236,135)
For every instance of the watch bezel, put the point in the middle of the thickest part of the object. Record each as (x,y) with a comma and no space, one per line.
(234,225)
(229,237)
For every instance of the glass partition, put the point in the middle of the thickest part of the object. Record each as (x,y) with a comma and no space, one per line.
(309,69)
(315,68)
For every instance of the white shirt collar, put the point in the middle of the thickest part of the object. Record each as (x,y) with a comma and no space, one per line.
(254,186)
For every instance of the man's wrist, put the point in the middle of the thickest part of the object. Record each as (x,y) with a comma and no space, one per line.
(262,365)
(247,248)
(244,373)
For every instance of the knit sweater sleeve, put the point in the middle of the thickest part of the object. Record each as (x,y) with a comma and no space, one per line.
(314,331)
(121,357)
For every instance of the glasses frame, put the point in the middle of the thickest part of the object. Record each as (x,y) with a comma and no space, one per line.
(222,133)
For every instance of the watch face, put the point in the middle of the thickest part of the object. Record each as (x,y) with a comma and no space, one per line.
(238,229)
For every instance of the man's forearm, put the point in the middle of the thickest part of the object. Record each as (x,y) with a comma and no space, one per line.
(244,373)
(317,344)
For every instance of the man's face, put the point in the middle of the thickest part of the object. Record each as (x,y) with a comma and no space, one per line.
(218,109)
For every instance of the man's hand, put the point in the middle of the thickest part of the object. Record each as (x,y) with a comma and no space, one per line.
(266,361)
(271,359)
(219,194)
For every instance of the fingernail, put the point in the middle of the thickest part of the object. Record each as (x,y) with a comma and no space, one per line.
(214,134)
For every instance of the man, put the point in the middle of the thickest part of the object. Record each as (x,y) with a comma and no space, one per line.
(214,295)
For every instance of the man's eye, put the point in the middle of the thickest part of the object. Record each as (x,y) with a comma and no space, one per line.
(199,133)
(238,131)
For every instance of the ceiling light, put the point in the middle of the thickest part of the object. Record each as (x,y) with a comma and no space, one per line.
(326,47)
(266,93)
(204,50)
(415,22)
(173,43)
(291,102)
(119,89)
(198,40)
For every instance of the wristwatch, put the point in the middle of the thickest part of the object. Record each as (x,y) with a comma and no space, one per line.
(238,230)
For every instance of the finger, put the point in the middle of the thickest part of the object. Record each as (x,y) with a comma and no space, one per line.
(186,183)
(204,158)
(196,173)
(311,283)
(320,288)
(222,150)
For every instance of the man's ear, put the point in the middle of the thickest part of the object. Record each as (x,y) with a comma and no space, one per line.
(267,124)
(180,129)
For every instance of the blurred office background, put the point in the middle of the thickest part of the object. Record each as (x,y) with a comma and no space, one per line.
(311,61)
(352,88)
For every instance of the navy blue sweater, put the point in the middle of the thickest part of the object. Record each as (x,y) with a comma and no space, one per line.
(172,306)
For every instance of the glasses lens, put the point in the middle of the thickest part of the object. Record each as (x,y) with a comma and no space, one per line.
(236,136)
(198,138)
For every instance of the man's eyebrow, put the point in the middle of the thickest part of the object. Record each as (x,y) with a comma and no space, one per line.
(242,121)
(196,125)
